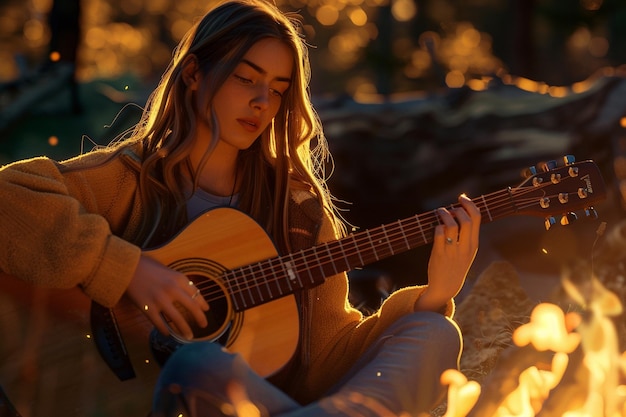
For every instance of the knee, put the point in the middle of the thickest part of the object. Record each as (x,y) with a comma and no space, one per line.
(194,361)
(431,328)
(196,373)
(443,327)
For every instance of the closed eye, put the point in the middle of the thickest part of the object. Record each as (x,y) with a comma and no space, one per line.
(243,80)
(276,92)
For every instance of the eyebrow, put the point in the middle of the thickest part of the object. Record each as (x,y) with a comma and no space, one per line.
(262,71)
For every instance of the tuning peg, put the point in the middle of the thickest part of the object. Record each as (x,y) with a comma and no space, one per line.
(550,221)
(568,218)
(529,172)
(591,213)
(548,165)
(569,159)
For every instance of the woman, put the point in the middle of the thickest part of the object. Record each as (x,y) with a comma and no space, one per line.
(231,124)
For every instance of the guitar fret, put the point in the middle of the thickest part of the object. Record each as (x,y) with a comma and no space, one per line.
(318,263)
(279,277)
(369,238)
(387,239)
(486,208)
(308,269)
(258,287)
(235,294)
(419,224)
(356,248)
(247,287)
(297,275)
(330,258)
(345,257)
(251,281)
(406,241)
(289,274)
(281,290)
(241,293)
(267,283)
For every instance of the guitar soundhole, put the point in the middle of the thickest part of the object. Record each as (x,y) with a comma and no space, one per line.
(206,276)
(218,315)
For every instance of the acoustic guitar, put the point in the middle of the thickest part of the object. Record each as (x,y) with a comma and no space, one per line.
(62,355)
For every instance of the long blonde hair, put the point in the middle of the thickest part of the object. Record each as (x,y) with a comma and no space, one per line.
(292,150)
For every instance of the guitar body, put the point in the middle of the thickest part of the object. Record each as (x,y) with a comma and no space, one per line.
(50,366)
(266,335)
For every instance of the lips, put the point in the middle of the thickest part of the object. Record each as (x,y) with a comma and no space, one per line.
(249,124)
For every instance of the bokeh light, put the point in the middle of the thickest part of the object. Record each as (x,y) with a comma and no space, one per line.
(403,10)
(327,15)
(416,44)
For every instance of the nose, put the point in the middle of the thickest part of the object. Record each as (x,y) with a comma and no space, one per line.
(261,99)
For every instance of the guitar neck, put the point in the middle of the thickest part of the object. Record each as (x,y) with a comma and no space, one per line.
(273,278)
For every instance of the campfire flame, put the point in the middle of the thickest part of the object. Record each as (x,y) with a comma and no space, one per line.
(584,376)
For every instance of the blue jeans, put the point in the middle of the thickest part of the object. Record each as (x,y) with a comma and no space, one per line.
(398,374)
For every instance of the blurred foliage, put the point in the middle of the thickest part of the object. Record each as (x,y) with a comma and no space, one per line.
(359,47)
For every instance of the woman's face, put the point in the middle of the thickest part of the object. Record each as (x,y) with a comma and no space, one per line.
(252,94)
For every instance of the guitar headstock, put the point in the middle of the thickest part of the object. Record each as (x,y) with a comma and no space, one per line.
(560,190)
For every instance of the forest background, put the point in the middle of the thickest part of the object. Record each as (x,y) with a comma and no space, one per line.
(363,49)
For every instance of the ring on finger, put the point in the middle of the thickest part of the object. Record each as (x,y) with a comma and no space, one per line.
(449,240)
(197,293)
